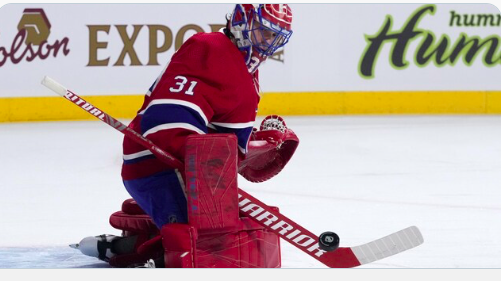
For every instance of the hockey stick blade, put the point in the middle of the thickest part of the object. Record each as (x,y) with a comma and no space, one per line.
(387,246)
(307,242)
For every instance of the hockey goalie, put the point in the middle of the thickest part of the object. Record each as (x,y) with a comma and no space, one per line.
(202,110)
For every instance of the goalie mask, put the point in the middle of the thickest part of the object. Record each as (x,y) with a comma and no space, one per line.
(260,30)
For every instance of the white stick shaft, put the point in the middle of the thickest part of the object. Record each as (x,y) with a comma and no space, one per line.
(54,86)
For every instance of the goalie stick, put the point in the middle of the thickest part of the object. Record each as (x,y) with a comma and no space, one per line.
(275,222)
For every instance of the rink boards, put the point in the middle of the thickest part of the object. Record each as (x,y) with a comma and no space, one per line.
(401,59)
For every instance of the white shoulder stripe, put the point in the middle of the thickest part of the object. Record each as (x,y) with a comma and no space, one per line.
(178,102)
(234,125)
(173,126)
(137,155)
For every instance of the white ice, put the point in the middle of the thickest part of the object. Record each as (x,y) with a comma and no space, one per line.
(362,177)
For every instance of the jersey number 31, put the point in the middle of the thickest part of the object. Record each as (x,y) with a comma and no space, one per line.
(180,83)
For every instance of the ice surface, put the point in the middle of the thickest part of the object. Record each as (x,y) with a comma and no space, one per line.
(362,177)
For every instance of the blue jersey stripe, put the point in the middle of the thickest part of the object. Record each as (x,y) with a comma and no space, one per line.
(160,114)
(242,134)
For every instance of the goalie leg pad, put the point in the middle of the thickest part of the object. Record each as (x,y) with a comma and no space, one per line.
(211,181)
(140,238)
(216,237)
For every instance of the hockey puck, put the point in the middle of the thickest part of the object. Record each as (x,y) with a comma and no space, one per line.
(328,241)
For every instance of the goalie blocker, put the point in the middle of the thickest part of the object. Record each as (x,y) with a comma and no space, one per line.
(217,234)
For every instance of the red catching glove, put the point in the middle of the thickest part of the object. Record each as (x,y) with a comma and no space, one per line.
(269,150)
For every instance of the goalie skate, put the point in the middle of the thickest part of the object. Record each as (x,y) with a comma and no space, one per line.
(100,246)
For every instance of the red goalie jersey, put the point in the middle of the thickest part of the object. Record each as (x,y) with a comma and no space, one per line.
(206,87)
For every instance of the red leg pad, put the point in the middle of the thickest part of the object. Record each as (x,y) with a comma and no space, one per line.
(130,207)
(185,247)
(134,222)
(211,164)
(216,236)
(179,244)
(243,249)
(132,219)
